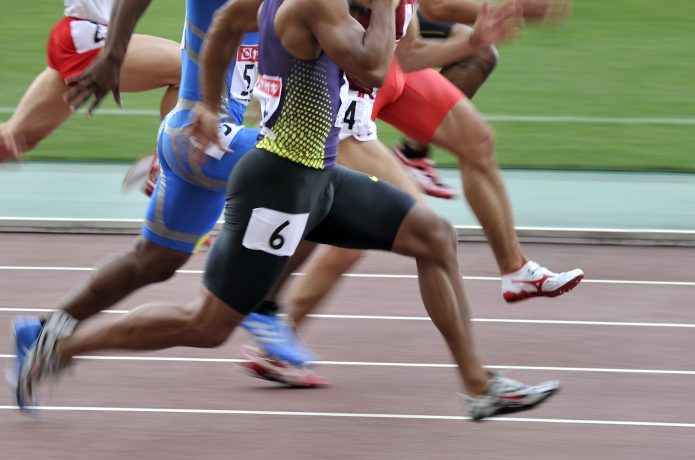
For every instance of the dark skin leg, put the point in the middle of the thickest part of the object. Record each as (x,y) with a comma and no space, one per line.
(117,277)
(468,75)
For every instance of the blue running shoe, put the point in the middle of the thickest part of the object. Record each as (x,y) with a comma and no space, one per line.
(26,330)
(277,338)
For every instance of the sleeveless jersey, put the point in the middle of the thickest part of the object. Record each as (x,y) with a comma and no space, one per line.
(97,11)
(241,74)
(299,100)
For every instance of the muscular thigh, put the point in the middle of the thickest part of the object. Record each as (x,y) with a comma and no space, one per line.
(426,99)
(366,212)
(374,158)
(150,62)
(272,203)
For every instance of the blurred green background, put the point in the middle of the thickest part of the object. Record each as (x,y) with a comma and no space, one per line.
(610,67)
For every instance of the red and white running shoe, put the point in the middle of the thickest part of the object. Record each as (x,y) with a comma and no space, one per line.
(532,280)
(142,174)
(260,366)
(427,176)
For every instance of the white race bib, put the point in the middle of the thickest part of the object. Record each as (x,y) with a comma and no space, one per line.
(274,232)
(87,35)
(268,91)
(245,73)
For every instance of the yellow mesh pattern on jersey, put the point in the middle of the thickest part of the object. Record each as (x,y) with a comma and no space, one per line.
(306,117)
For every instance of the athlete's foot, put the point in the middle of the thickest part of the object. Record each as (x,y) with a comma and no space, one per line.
(532,280)
(427,176)
(42,362)
(506,396)
(259,365)
(277,338)
(25,330)
(142,174)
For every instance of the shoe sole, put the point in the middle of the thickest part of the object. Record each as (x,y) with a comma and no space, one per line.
(254,369)
(512,297)
(506,410)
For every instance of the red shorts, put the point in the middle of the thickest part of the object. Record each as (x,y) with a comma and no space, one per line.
(415,103)
(73,45)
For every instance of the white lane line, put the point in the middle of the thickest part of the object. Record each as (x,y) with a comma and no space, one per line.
(271,413)
(384,364)
(425,318)
(364,275)
(490,117)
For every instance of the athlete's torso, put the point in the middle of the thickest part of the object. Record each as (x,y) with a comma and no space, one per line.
(299,100)
(97,11)
(241,74)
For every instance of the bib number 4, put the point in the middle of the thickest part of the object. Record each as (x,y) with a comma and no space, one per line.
(277,233)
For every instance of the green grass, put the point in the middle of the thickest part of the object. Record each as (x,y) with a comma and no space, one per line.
(623,58)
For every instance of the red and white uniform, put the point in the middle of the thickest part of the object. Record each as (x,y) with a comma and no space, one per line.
(415,103)
(77,38)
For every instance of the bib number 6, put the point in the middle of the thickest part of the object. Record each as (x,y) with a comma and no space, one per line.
(277,233)
(277,241)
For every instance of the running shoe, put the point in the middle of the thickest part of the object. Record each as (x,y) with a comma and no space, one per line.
(26,330)
(426,174)
(143,174)
(258,365)
(41,362)
(505,396)
(277,338)
(532,280)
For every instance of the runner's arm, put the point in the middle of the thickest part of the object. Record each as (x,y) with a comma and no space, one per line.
(415,53)
(364,54)
(104,73)
(465,11)
(219,47)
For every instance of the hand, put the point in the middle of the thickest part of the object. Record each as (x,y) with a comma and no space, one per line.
(100,78)
(552,11)
(204,131)
(493,26)
(11,147)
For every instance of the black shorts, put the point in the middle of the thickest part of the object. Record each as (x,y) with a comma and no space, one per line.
(429,29)
(273,203)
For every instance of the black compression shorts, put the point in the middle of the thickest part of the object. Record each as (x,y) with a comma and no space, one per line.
(429,29)
(273,203)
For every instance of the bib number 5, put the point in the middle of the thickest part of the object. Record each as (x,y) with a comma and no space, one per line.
(277,233)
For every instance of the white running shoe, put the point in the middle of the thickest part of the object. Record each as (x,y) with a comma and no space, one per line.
(505,396)
(532,280)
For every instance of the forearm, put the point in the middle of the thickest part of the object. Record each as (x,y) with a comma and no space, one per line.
(220,45)
(450,11)
(373,56)
(124,16)
(379,38)
(423,53)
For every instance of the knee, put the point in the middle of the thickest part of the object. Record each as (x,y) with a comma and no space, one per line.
(209,331)
(155,264)
(442,240)
(478,152)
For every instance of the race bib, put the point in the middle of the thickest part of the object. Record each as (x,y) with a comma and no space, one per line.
(268,91)
(355,115)
(245,72)
(225,133)
(274,232)
(87,35)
